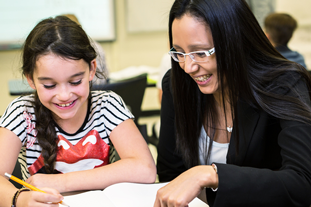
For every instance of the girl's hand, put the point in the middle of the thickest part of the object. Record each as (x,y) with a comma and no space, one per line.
(33,198)
(46,180)
(183,189)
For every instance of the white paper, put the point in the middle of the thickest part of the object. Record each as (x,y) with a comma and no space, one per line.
(121,195)
(139,195)
(86,199)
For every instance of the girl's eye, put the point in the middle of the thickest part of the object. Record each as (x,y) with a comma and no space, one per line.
(76,83)
(48,86)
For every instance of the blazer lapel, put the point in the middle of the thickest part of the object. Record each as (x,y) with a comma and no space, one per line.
(247,121)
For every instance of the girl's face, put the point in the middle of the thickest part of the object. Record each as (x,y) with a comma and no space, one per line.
(190,35)
(63,85)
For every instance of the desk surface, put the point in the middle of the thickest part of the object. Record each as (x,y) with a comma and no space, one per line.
(19,87)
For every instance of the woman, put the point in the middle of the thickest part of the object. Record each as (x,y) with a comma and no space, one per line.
(235,116)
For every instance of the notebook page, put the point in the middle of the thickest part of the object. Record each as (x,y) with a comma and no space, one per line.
(138,195)
(90,198)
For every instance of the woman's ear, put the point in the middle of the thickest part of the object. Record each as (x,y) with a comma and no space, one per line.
(30,82)
(267,34)
(93,67)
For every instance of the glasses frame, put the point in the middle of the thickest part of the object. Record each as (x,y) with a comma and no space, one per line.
(190,54)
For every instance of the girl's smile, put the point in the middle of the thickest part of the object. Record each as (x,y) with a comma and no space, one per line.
(66,106)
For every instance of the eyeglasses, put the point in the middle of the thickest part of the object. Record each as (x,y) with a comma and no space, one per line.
(197,56)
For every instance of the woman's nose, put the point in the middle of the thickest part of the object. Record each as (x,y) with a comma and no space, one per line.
(189,65)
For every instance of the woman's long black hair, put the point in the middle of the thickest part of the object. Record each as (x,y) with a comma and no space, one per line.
(67,39)
(245,59)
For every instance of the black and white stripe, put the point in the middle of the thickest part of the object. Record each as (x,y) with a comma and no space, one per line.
(107,110)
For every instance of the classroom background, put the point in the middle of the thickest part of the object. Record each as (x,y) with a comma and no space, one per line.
(139,46)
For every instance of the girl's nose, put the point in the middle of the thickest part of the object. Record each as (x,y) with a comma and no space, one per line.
(63,93)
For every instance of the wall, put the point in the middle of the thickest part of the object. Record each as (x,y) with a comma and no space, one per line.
(134,49)
(9,69)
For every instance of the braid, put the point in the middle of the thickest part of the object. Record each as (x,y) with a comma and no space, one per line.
(46,136)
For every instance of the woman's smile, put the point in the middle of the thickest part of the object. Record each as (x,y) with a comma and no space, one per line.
(202,80)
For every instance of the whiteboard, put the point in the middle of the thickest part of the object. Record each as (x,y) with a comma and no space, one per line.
(147,15)
(18,18)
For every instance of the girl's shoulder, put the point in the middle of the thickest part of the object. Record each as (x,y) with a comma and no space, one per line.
(18,115)
(23,99)
(23,103)
(109,108)
(103,95)
(106,98)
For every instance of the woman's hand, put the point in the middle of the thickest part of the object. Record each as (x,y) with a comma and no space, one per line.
(33,198)
(183,189)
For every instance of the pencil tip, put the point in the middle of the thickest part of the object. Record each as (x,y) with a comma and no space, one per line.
(64,204)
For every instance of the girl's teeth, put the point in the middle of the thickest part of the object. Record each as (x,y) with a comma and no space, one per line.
(64,105)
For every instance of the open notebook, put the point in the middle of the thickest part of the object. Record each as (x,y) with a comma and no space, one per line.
(121,195)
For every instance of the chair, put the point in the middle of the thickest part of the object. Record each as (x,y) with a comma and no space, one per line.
(132,91)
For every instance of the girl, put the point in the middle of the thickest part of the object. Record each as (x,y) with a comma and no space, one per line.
(242,112)
(64,135)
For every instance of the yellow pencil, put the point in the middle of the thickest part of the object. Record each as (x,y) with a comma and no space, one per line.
(27,185)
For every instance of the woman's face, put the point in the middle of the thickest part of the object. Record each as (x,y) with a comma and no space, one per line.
(190,35)
(63,85)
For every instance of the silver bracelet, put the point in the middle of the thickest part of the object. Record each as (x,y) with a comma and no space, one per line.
(215,168)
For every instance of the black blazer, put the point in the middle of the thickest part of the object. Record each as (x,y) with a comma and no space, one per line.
(271,168)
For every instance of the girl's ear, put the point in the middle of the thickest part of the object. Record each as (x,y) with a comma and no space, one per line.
(30,82)
(93,67)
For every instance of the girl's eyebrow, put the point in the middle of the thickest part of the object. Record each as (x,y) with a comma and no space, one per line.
(75,75)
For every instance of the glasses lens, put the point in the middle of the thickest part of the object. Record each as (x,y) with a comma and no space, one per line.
(178,57)
(199,56)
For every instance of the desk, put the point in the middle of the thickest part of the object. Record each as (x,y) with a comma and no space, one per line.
(19,87)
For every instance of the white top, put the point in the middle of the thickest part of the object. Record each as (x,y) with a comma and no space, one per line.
(218,153)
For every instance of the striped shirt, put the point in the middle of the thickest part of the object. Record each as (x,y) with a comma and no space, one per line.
(86,149)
